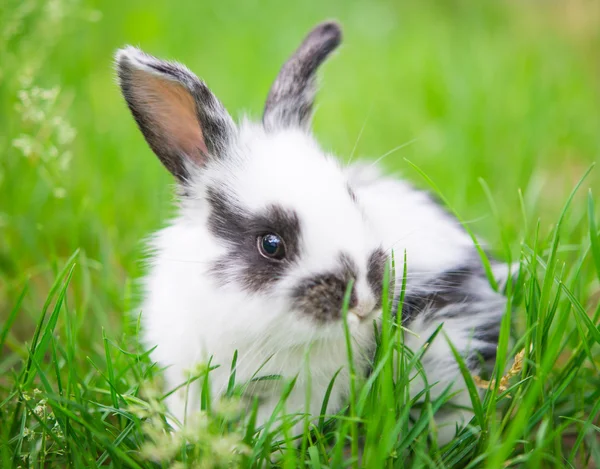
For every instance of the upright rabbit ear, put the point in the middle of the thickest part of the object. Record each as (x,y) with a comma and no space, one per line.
(291,97)
(182,121)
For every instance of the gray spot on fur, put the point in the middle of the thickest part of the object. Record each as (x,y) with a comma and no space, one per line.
(291,97)
(462,293)
(375,273)
(447,288)
(322,296)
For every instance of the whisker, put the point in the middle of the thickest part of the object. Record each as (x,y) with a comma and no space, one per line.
(393,150)
(360,135)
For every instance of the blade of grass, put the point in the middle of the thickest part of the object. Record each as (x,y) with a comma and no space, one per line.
(325,403)
(352,376)
(548,279)
(12,316)
(111,374)
(56,287)
(231,381)
(470,383)
(591,327)
(484,259)
(594,236)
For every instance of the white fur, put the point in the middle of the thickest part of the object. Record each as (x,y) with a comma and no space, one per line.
(189,317)
(409,221)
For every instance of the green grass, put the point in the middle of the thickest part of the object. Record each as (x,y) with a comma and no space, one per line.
(501,100)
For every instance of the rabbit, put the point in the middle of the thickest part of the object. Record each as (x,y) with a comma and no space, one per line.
(270,230)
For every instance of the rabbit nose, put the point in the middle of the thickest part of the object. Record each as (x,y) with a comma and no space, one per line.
(364,309)
(363,305)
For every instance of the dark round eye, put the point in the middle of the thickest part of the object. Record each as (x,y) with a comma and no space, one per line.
(271,245)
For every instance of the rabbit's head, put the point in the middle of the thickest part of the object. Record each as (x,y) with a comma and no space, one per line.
(274,218)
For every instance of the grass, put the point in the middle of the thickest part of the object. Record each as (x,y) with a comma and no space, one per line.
(500,102)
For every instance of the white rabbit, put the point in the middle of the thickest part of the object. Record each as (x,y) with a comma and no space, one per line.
(269,232)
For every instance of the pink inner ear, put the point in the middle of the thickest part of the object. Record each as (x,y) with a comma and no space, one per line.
(173,110)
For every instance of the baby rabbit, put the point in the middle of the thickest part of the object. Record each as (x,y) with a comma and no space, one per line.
(269,232)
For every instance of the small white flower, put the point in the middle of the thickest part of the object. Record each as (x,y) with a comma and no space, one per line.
(65,133)
(39,410)
(23,96)
(25,143)
(49,95)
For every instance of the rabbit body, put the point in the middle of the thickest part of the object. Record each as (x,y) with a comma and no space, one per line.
(270,231)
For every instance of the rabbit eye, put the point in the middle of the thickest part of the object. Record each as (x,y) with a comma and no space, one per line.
(271,246)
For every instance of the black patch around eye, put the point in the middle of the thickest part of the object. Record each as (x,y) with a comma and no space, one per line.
(322,296)
(375,273)
(239,229)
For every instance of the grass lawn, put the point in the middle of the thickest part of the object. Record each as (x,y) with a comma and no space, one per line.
(497,103)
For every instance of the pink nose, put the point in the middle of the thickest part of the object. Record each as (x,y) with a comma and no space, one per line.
(364,307)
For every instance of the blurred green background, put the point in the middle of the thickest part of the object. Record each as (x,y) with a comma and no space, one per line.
(505,91)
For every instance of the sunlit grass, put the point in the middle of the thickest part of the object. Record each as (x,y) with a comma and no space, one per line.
(500,104)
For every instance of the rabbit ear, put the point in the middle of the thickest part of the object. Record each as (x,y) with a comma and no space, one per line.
(182,121)
(291,97)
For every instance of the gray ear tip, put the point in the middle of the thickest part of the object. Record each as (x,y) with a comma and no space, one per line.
(129,57)
(125,57)
(123,54)
(331,29)
(291,97)
(329,32)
